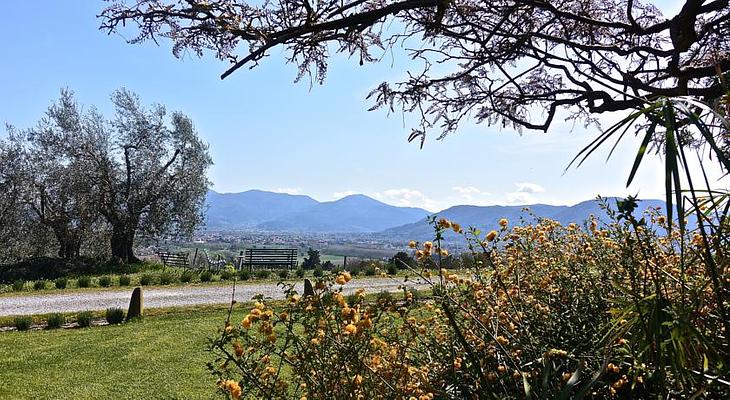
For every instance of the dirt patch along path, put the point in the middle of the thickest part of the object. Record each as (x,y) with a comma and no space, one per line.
(167,297)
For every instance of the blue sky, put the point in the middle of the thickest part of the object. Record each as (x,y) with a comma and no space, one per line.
(266,132)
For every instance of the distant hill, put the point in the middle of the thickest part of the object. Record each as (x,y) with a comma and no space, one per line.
(356,213)
(250,208)
(581,211)
(487,217)
(269,211)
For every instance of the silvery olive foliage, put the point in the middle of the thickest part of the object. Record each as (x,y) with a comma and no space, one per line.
(153,176)
(87,180)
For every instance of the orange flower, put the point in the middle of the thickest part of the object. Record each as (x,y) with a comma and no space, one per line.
(491,236)
(237,348)
(456,227)
(503,222)
(341,279)
(427,246)
(233,387)
(350,329)
(444,252)
(412,244)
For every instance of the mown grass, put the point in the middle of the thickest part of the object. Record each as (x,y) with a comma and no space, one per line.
(157,357)
(162,355)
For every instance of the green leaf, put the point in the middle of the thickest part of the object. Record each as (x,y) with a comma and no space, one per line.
(565,393)
(642,150)
(527,387)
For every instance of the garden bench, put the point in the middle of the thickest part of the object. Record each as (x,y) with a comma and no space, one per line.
(268,258)
(180,260)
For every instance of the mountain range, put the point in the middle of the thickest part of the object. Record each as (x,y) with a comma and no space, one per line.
(487,217)
(269,211)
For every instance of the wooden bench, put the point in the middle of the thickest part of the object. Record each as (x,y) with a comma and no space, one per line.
(180,260)
(268,258)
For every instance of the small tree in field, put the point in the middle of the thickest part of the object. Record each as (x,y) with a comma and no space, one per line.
(402,260)
(312,260)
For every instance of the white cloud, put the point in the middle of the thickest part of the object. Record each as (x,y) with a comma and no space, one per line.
(470,195)
(524,193)
(406,197)
(287,190)
(339,195)
(519,198)
(527,187)
(466,190)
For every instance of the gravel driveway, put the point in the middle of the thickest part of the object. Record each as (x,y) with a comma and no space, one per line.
(166,297)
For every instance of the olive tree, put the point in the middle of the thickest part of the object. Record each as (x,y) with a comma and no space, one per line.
(151,174)
(10,208)
(52,185)
(83,177)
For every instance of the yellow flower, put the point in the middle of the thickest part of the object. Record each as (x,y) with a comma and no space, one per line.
(427,246)
(456,227)
(237,348)
(412,244)
(246,322)
(340,279)
(233,387)
(491,236)
(503,222)
(444,252)
(419,254)
(444,223)
(357,380)
(350,329)
(347,276)
(366,323)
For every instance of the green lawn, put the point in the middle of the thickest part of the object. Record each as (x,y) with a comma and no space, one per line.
(158,357)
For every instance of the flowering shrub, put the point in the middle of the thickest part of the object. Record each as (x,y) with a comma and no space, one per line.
(546,311)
